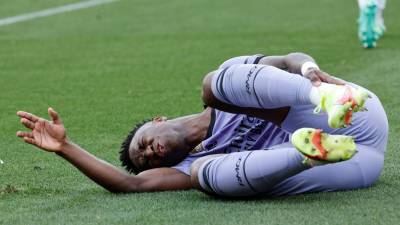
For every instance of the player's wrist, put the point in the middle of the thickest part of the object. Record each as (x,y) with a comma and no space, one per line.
(65,146)
(308,66)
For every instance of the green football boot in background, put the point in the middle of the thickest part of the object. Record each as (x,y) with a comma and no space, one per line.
(368,32)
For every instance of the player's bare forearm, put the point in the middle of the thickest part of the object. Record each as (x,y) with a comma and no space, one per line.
(100,171)
(118,181)
(294,62)
(291,62)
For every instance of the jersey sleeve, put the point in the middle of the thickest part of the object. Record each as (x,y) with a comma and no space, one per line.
(184,166)
(249,59)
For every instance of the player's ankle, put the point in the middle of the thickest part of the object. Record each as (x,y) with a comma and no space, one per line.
(317,92)
(312,162)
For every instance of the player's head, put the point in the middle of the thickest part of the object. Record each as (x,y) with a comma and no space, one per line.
(153,143)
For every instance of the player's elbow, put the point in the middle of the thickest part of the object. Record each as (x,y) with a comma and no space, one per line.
(297,56)
(120,190)
(207,95)
(127,185)
(115,191)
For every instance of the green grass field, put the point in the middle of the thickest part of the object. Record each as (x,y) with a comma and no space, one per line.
(108,67)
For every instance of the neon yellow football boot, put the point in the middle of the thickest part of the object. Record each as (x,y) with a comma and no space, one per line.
(316,145)
(340,102)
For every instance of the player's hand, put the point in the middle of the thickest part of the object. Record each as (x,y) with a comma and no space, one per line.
(317,76)
(47,135)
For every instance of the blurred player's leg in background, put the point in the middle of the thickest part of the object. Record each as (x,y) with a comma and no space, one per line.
(380,23)
(370,23)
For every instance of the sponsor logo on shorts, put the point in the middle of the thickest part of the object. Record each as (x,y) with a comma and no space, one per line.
(237,168)
(251,72)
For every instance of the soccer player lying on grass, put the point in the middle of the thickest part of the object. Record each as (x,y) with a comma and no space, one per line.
(247,86)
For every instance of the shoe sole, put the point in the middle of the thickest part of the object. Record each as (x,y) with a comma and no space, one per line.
(315,144)
(351,102)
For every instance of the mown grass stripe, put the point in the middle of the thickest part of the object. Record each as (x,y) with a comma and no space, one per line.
(53,11)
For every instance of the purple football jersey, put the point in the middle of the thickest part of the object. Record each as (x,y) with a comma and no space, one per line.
(234,133)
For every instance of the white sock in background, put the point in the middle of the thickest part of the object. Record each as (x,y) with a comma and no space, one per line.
(364,3)
(379,15)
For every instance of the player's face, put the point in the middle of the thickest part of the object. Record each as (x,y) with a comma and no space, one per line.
(157,144)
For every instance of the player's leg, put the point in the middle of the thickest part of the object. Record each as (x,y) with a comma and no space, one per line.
(258,172)
(246,173)
(282,171)
(260,86)
(255,172)
(380,27)
(266,87)
(361,171)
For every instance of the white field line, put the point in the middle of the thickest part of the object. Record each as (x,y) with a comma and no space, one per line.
(53,11)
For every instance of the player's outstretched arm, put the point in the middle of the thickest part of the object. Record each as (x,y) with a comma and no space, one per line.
(51,136)
(294,62)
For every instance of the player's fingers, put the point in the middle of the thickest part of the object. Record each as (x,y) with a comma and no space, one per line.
(54,116)
(30,140)
(28,116)
(27,123)
(315,80)
(328,78)
(333,80)
(24,134)
(325,77)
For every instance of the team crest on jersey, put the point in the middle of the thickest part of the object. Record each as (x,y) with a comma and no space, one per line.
(197,149)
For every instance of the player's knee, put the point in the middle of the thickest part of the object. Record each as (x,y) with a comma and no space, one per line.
(194,170)
(373,172)
(207,95)
(370,163)
(196,167)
